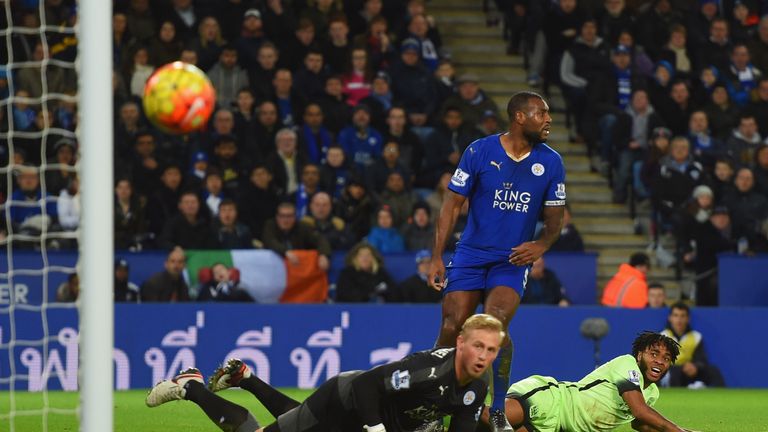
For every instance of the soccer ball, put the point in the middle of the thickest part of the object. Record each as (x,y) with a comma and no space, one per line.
(179,98)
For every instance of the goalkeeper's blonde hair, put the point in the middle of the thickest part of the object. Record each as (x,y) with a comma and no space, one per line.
(482,322)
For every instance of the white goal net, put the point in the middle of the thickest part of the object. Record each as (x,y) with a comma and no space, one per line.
(44,134)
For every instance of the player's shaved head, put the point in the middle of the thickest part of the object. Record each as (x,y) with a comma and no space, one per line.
(519,102)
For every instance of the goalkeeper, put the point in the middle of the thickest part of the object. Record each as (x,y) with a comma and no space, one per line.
(619,392)
(406,395)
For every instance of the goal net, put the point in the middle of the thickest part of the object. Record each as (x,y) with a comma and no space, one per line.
(48,143)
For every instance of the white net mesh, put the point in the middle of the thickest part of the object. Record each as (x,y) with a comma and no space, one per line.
(38,192)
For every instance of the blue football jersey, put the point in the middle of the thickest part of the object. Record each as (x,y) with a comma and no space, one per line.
(505,197)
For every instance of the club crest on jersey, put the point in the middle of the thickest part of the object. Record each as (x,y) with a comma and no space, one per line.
(401,379)
(459,178)
(560,192)
(537,169)
(634,377)
(469,397)
(497,164)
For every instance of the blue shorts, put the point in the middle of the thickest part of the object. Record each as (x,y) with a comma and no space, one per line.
(486,277)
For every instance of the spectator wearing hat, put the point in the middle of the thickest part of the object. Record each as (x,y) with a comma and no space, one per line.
(310,79)
(419,233)
(415,288)
(429,47)
(227,77)
(228,231)
(380,100)
(628,287)
(251,37)
(695,212)
(258,200)
(470,100)
(57,179)
(384,236)
(490,124)
(320,218)
(130,216)
(608,97)
(715,236)
(197,171)
(412,84)
(355,207)
(660,83)
(125,290)
(361,142)
(377,174)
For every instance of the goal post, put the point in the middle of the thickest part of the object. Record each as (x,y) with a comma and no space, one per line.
(96,262)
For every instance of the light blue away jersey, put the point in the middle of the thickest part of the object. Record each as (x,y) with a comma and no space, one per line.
(505,196)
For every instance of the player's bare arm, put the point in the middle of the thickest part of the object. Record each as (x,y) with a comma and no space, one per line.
(452,205)
(529,252)
(647,416)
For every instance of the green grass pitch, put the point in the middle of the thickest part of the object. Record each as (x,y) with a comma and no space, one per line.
(720,410)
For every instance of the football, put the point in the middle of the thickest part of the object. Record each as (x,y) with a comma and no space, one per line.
(179,98)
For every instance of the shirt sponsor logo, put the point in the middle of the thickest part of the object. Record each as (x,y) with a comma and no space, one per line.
(459,178)
(634,377)
(512,200)
(469,397)
(401,379)
(537,169)
(560,192)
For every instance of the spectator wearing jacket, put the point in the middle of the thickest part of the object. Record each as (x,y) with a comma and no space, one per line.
(227,77)
(285,233)
(415,288)
(384,236)
(363,278)
(321,219)
(229,233)
(628,287)
(361,142)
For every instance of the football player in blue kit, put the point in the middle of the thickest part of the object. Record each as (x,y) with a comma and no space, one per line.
(509,179)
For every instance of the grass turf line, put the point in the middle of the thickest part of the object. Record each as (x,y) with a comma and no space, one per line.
(721,410)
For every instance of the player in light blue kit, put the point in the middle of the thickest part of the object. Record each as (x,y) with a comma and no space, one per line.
(509,180)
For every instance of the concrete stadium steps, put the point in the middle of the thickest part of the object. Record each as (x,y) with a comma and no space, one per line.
(476,48)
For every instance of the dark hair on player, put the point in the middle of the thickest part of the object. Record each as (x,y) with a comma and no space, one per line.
(648,339)
(519,102)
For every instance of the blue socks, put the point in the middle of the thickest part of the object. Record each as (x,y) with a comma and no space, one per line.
(501,368)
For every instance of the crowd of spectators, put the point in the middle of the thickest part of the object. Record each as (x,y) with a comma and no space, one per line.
(670,98)
(348,111)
